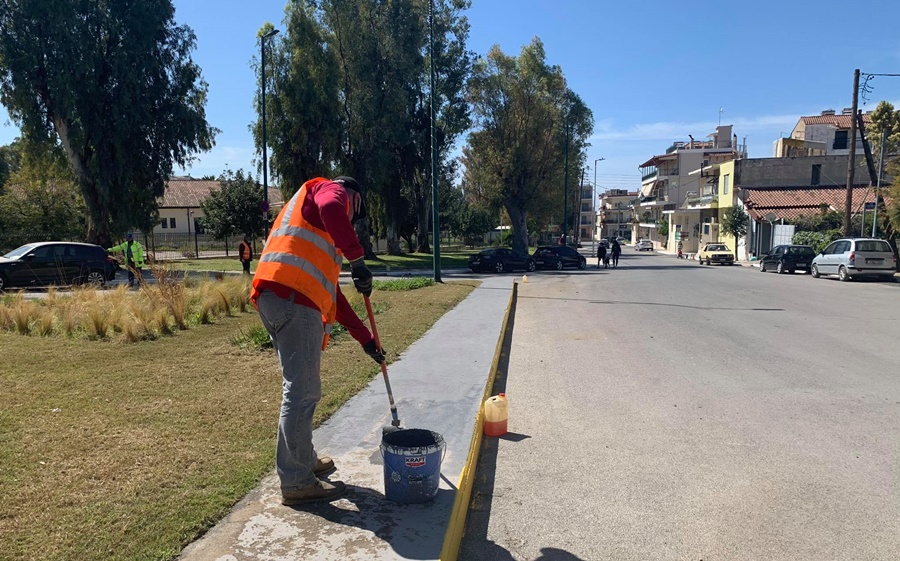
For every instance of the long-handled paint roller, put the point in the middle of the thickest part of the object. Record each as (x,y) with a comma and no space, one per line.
(395,420)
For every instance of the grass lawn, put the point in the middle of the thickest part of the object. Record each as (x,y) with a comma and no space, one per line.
(111,451)
(405,262)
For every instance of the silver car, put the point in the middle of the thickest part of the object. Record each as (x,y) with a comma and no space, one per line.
(643,245)
(851,258)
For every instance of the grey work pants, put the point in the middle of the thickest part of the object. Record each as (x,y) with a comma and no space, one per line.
(296,333)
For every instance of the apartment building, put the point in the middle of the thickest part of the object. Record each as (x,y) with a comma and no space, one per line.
(669,180)
(615,214)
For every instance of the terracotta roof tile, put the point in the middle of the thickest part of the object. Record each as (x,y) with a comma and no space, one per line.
(838,121)
(190,193)
(791,203)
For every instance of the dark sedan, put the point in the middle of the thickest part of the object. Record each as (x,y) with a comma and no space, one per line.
(499,260)
(56,263)
(558,257)
(787,259)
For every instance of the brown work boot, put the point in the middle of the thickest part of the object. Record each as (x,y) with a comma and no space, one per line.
(318,491)
(324,465)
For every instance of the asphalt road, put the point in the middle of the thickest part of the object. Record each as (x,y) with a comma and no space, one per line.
(666,410)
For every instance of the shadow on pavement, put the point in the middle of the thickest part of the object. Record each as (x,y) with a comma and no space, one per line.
(404,527)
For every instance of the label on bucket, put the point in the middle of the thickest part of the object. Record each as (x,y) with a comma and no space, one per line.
(415,461)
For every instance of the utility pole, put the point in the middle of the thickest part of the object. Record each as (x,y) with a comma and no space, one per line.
(884,133)
(596,214)
(435,216)
(851,167)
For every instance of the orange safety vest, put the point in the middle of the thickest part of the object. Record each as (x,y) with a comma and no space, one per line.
(302,257)
(244,250)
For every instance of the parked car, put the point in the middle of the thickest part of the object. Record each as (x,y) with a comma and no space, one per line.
(500,260)
(850,258)
(715,253)
(643,245)
(56,263)
(550,257)
(787,259)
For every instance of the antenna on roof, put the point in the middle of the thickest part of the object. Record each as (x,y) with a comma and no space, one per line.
(721,110)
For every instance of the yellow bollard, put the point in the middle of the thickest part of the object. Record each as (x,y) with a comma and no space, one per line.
(524,279)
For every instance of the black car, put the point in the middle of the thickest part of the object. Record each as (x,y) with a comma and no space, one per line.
(787,259)
(56,263)
(499,260)
(558,257)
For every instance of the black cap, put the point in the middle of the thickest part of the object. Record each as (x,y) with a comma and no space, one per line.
(350,183)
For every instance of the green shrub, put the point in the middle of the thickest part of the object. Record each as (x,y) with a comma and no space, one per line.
(817,240)
(408,283)
(256,338)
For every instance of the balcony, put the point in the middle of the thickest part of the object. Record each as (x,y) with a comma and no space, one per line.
(702,202)
(648,175)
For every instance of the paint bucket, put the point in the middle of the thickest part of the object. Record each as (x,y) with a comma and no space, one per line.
(412,465)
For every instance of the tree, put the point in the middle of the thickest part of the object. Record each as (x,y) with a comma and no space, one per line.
(525,116)
(234,208)
(886,117)
(10,160)
(303,121)
(734,223)
(40,201)
(114,81)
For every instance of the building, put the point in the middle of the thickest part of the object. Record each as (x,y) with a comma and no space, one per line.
(771,190)
(827,134)
(586,214)
(684,178)
(615,214)
(180,210)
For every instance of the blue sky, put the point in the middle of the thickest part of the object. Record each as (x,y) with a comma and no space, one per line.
(652,71)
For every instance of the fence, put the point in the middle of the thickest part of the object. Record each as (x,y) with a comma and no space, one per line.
(166,247)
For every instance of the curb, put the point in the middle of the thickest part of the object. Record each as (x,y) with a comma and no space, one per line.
(456,527)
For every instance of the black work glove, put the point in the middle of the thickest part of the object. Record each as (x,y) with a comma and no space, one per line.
(362,277)
(372,350)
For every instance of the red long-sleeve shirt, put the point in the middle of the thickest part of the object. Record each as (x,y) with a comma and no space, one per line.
(325,207)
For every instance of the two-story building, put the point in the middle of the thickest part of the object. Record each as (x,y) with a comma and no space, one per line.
(827,134)
(680,185)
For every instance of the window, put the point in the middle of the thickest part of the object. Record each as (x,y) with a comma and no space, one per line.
(830,249)
(816,174)
(842,247)
(840,140)
(172,222)
(164,223)
(873,246)
(725,182)
(198,226)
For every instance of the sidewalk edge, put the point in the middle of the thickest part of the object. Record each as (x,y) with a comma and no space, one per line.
(453,536)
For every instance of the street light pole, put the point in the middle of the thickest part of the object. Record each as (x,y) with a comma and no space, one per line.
(566,183)
(435,215)
(262,79)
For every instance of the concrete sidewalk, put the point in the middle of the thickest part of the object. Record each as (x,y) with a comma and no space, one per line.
(438,383)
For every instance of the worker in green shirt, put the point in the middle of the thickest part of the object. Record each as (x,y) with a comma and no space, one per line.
(134,257)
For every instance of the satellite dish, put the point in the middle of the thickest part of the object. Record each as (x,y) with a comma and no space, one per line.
(771,217)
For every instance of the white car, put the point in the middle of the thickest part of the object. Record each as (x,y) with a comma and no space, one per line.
(851,258)
(643,245)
